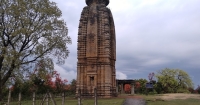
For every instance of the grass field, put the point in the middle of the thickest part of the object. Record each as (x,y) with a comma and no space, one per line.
(163,99)
(171,100)
(114,101)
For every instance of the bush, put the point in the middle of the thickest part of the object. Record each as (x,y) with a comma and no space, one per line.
(183,91)
(191,90)
(198,90)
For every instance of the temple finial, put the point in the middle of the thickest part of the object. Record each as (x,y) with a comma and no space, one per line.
(106,2)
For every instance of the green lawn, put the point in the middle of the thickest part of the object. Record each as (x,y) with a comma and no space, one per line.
(114,101)
(151,100)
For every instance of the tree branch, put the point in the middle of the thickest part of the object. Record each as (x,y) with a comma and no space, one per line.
(39,55)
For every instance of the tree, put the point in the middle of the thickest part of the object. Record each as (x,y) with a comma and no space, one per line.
(140,86)
(40,78)
(59,82)
(44,80)
(198,89)
(30,30)
(73,86)
(173,80)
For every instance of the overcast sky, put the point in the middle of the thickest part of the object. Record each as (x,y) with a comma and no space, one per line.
(151,35)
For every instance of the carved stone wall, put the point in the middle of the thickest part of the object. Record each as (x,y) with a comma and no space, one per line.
(96,50)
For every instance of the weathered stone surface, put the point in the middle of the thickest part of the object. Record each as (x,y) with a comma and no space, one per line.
(96,50)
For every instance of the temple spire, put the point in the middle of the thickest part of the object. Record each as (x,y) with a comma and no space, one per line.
(96,51)
(106,2)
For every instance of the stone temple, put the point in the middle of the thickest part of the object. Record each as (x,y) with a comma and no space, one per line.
(96,50)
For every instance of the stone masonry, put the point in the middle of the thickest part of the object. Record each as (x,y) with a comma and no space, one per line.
(96,50)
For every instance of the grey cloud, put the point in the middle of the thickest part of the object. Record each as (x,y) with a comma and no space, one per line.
(151,35)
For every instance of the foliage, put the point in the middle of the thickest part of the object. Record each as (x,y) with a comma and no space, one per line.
(30,30)
(198,89)
(140,86)
(47,82)
(137,85)
(26,88)
(191,90)
(73,87)
(158,87)
(59,84)
(172,81)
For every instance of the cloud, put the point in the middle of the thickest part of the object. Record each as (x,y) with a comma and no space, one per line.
(66,74)
(120,75)
(150,35)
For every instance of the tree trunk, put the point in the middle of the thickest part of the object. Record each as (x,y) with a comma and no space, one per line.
(8,74)
(63,98)
(33,97)
(79,96)
(1,96)
(3,79)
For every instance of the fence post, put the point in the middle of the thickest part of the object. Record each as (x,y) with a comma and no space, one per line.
(47,99)
(63,98)
(95,96)
(33,97)
(43,99)
(79,96)
(20,97)
(9,96)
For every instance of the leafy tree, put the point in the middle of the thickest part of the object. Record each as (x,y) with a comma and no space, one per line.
(40,79)
(158,87)
(173,80)
(43,80)
(30,30)
(73,86)
(59,83)
(198,89)
(140,87)
(24,88)
(191,90)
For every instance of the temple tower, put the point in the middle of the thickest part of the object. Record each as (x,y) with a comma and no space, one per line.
(96,50)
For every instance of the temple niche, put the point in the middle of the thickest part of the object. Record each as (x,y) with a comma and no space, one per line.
(96,50)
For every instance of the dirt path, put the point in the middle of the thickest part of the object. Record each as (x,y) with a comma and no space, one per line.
(138,100)
(134,101)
